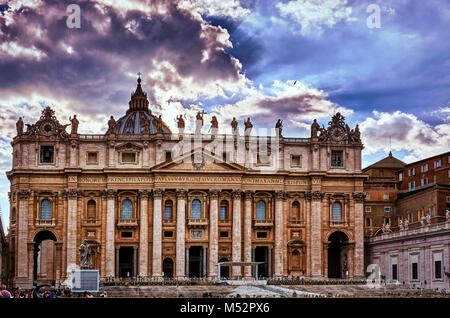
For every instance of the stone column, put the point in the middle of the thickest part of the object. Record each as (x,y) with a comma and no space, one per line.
(359,235)
(236,245)
(71,243)
(58,256)
(269,261)
(248,232)
(186,254)
(279,197)
(181,230)
(213,233)
(135,249)
(316,232)
(143,235)
(157,233)
(22,239)
(204,251)
(110,220)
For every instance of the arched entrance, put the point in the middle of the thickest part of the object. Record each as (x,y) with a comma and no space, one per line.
(168,267)
(337,255)
(44,258)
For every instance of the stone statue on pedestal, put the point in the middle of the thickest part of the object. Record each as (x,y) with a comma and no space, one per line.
(85,255)
(234,126)
(314,129)
(75,123)
(19,126)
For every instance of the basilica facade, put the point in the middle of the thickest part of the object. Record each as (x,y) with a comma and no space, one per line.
(153,203)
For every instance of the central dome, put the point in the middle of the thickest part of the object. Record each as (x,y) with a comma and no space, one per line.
(138,114)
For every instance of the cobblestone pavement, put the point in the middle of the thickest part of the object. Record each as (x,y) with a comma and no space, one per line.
(262,291)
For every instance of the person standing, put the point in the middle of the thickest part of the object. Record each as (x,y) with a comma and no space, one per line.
(5,292)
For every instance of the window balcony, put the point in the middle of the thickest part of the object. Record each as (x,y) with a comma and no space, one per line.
(45,223)
(296,222)
(262,223)
(198,223)
(91,222)
(127,223)
(338,223)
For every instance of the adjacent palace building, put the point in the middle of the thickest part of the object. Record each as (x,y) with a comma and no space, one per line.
(154,203)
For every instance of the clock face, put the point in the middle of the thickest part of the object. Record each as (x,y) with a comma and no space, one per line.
(337,133)
(47,128)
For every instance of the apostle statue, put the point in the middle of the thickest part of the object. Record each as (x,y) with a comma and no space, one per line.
(405,224)
(234,126)
(180,121)
(279,127)
(199,122)
(357,133)
(214,126)
(111,125)
(314,129)
(400,225)
(85,255)
(159,125)
(248,127)
(75,123)
(19,126)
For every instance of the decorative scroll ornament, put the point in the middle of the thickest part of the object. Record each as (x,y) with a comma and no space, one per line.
(337,131)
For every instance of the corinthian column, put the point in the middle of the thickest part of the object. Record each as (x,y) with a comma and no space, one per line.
(143,235)
(181,225)
(236,248)
(71,244)
(315,197)
(359,235)
(157,233)
(213,233)
(279,197)
(248,232)
(109,248)
(22,238)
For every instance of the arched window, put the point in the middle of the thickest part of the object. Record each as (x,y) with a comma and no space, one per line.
(127,209)
(196,209)
(168,210)
(46,210)
(296,210)
(224,210)
(261,210)
(91,207)
(296,259)
(337,211)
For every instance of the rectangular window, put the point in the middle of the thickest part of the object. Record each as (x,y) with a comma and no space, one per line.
(223,234)
(128,157)
(437,164)
(368,209)
(126,234)
(386,220)
(431,212)
(337,159)
(168,234)
(411,172)
(261,234)
(437,270)
(412,185)
(414,271)
(424,181)
(223,213)
(394,271)
(410,217)
(295,161)
(367,196)
(386,197)
(168,156)
(387,209)
(400,176)
(92,158)
(367,221)
(47,154)
(424,168)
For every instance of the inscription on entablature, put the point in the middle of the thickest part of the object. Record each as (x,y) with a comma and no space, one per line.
(263,180)
(296,182)
(143,179)
(216,179)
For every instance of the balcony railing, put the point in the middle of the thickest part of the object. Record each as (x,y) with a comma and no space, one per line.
(296,222)
(262,222)
(338,223)
(45,223)
(91,222)
(202,222)
(127,222)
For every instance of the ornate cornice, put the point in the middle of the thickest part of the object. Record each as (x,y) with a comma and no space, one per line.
(315,195)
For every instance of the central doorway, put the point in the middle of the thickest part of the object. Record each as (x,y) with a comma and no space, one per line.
(337,255)
(168,268)
(126,261)
(195,261)
(262,255)
(44,258)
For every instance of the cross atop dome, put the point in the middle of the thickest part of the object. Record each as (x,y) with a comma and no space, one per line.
(139,99)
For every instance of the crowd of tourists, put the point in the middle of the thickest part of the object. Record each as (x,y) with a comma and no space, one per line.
(41,293)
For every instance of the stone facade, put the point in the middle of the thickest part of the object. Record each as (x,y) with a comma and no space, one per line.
(154,203)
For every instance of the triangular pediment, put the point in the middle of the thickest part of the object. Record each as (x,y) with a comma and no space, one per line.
(199,161)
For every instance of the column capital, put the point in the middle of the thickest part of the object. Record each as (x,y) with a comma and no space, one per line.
(236,194)
(214,194)
(72,193)
(24,194)
(315,195)
(109,193)
(249,194)
(181,193)
(280,195)
(144,194)
(359,196)
(157,193)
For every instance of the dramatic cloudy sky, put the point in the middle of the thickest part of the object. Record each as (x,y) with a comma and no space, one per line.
(296,60)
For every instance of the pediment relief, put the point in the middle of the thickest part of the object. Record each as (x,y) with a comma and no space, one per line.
(199,161)
(129,146)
